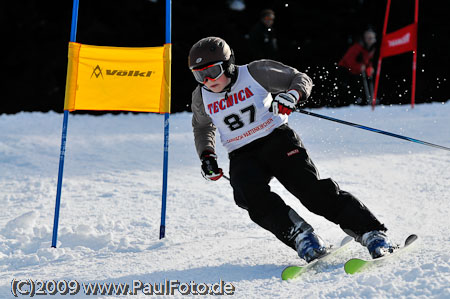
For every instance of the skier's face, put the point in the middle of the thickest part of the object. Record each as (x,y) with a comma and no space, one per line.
(370,38)
(268,20)
(217,85)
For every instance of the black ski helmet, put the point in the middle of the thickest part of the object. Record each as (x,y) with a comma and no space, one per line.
(210,50)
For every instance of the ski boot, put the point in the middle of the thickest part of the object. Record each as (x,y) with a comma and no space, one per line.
(377,243)
(309,246)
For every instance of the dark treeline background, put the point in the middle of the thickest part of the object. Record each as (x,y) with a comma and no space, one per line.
(313,36)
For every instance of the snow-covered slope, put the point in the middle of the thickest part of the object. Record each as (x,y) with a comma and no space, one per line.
(111,201)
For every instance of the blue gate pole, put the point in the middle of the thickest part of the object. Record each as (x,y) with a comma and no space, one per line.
(73,34)
(162,229)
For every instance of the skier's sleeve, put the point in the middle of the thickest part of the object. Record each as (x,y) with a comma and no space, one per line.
(276,77)
(204,129)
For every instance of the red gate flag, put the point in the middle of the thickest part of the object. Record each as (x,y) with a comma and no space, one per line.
(400,41)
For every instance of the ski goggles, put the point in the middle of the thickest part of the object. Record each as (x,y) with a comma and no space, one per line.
(211,72)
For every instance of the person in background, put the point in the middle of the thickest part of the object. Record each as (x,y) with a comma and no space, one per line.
(262,37)
(355,70)
(237,101)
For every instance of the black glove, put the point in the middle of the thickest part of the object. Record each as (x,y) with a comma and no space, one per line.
(210,169)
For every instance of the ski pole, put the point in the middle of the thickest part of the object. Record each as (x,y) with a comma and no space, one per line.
(366,86)
(226,177)
(370,83)
(372,129)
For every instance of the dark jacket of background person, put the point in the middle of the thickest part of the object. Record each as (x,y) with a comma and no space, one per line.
(262,38)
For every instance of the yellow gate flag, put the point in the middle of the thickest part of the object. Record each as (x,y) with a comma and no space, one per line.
(118,78)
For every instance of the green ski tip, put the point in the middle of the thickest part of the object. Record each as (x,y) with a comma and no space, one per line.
(354,265)
(292,272)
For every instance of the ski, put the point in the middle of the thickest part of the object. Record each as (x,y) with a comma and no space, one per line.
(292,272)
(355,265)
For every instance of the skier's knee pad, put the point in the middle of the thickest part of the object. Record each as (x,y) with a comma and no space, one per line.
(240,201)
(329,186)
(241,205)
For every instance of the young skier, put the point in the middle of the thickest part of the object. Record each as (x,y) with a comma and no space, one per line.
(254,129)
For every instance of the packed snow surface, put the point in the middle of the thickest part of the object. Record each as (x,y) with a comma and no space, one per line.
(111,205)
